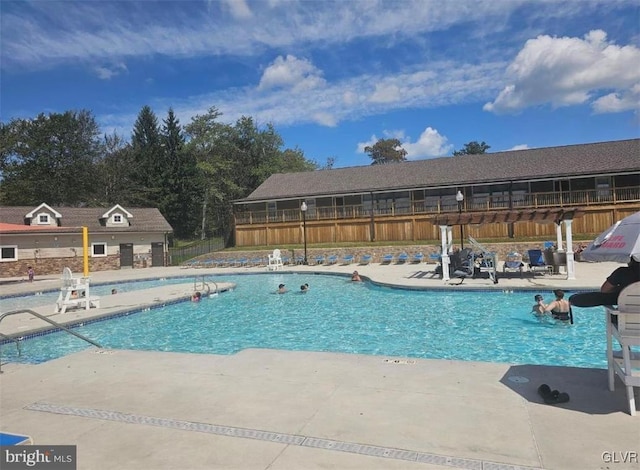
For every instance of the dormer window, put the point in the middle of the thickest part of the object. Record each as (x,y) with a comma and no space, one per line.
(43,219)
(117,218)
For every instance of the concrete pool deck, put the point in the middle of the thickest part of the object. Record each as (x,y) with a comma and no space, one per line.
(266,409)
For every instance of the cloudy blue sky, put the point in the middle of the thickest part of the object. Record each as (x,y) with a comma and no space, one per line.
(335,76)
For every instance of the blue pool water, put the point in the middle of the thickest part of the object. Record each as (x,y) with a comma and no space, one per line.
(340,316)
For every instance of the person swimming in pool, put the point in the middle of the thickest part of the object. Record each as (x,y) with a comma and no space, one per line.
(539,306)
(355,277)
(304,288)
(559,308)
(281,289)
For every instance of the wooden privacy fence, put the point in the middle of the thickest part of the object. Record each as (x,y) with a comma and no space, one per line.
(414,228)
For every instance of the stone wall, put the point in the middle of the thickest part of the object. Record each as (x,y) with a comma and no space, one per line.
(44,266)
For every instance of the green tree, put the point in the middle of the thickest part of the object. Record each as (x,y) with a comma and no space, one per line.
(179,195)
(50,158)
(235,160)
(114,181)
(148,158)
(386,151)
(472,148)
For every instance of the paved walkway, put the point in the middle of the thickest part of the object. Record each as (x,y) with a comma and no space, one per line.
(266,409)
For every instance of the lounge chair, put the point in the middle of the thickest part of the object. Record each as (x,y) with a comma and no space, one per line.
(275,261)
(403,258)
(623,325)
(365,259)
(347,259)
(417,258)
(537,263)
(387,259)
(333,259)
(513,263)
(320,259)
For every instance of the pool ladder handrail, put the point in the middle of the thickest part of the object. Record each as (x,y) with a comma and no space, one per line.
(48,320)
(205,285)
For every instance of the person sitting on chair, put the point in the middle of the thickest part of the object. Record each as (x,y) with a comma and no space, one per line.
(560,307)
(621,278)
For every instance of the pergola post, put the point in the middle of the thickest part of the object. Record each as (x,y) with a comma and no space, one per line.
(559,236)
(571,273)
(445,232)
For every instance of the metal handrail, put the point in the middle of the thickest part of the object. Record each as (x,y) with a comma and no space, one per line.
(51,322)
(15,340)
(205,285)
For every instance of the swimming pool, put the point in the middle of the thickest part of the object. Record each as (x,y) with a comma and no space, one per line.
(337,315)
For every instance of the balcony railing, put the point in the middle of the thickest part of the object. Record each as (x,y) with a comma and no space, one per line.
(482,203)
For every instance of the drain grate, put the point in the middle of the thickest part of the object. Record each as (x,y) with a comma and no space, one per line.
(518,379)
(282,438)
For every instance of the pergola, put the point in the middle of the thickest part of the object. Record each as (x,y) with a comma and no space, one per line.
(557,216)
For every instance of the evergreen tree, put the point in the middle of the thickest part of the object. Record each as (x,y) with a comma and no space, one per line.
(180,201)
(148,158)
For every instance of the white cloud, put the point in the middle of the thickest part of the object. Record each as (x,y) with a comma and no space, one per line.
(570,71)
(108,72)
(430,143)
(42,34)
(385,93)
(325,119)
(618,102)
(518,147)
(238,8)
(369,143)
(291,72)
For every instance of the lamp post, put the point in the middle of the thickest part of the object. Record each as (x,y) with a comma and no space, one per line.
(303,208)
(460,198)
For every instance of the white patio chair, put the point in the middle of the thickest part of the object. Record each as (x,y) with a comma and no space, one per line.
(275,261)
(623,324)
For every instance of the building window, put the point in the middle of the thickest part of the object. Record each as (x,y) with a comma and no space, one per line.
(98,250)
(43,219)
(9,253)
(117,218)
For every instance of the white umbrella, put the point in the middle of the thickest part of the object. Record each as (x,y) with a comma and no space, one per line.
(618,243)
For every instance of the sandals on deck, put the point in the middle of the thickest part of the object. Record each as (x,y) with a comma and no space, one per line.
(552,397)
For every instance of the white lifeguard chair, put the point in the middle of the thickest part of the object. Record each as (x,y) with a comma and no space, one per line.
(275,261)
(75,293)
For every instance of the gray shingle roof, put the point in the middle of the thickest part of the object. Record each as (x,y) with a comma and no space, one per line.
(542,163)
(143,220)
